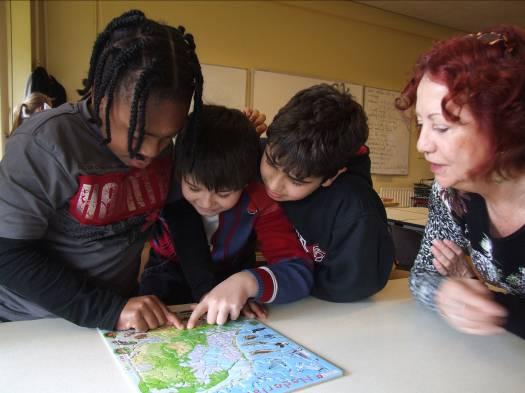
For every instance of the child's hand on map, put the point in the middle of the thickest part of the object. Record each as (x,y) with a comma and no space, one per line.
(143,313)
(252,309)
(226,299)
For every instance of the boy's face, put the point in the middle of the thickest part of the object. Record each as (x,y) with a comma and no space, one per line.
(208,203)
(282,187)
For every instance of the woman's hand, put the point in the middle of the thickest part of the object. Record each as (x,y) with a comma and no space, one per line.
(450,260)
(467,305)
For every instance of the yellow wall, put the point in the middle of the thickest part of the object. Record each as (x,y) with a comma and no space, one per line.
(329,39)
(5,29)
(20,48)
(70,32)
(15,46)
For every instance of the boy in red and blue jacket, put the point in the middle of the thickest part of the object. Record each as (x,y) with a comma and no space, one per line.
(217,170)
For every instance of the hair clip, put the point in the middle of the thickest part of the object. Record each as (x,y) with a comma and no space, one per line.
(492,38)
(25,115)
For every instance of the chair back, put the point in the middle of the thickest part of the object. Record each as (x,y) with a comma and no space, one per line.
(406,242)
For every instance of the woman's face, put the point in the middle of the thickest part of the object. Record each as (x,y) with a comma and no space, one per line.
(458,153)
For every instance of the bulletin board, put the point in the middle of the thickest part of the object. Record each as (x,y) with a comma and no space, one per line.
(224,86)
(389,137)
(272,90)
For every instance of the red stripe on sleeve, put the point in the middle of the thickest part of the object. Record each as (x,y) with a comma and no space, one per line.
(267,285)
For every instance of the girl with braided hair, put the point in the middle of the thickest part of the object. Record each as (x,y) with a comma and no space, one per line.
(82,183)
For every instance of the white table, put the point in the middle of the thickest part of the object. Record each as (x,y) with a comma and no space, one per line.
(408,216)
(387,344)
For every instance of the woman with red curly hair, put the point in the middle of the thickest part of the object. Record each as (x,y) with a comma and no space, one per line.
(469,97)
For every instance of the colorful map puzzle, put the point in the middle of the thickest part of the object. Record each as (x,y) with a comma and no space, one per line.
(239,357)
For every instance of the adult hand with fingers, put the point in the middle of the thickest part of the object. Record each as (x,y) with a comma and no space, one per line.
(450,260)
(467,305)
(257,118)
(144,313)
(252,309)
(225,300)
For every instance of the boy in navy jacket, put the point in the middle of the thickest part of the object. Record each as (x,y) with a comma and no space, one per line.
(217,169)
(315,164)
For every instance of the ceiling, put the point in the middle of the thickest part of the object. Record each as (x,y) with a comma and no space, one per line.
(468,16)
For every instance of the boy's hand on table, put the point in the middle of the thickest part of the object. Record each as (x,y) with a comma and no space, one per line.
(257,118)
(226,299)
(144,313)
(450,260)
(252,309)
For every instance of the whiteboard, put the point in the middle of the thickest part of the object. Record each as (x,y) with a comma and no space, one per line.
(389,136)
(272,90)
(224,86)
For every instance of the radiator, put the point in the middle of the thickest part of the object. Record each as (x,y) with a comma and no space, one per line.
(402,195)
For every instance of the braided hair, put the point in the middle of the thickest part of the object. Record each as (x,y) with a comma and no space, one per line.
(137,56)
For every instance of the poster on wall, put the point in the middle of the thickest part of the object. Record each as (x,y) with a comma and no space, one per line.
(224,86)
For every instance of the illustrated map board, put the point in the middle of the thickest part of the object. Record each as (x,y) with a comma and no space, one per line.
(224,86)
(272,90)
(242,356)
(389,133)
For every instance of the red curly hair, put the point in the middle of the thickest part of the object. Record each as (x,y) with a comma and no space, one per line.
(486,73)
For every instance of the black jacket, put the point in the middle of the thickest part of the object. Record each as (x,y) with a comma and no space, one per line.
(345,228)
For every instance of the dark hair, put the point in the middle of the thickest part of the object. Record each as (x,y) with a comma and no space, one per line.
(41,82)
(223,155)
(486,73)
(137,57)
(317,132)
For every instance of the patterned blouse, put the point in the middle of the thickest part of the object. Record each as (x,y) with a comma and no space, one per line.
(463,218)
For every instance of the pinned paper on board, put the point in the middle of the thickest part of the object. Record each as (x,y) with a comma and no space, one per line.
(389,133)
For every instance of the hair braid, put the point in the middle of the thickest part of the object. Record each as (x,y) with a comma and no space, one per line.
(190,133)
(98,79)
(137,110)
(109,83)
(141,119)
(97,76)
(109,103)
(128,18)
(197,71)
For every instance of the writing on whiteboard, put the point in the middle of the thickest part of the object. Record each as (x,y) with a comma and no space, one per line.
(389,137)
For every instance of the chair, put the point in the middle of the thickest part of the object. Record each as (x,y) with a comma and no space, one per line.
(406,242)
